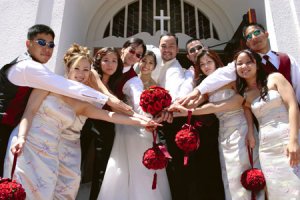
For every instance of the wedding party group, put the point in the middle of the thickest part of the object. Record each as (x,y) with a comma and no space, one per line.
(209,131)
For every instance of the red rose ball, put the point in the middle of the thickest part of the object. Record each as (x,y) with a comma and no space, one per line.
(187,140)
(11,190)
(253,179)
(154,159)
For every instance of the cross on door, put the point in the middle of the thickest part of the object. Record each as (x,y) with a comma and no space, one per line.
(161,18)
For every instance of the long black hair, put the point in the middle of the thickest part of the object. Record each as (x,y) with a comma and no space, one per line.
(261,75)
(97,65)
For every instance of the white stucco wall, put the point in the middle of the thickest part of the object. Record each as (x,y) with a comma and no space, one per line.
(19,15)
(15,18)
(283,18)
(76,17)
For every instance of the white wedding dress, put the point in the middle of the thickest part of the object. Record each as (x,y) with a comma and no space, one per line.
(126,178)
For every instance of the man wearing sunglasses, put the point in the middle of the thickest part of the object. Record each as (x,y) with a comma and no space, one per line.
(209,152)
(26,72)
(257,40)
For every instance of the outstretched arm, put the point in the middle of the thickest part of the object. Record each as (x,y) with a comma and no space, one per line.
(35,100)
(33,74)
(90,111)
(233,103)
(216,80)
(288,96)
(116,104)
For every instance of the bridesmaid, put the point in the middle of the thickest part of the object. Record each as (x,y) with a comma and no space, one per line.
(273,102)
(108,64)
(226,103)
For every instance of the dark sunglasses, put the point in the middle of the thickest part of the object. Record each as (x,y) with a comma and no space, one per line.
(256,33)
(132,51)
(43,43)
(195,48)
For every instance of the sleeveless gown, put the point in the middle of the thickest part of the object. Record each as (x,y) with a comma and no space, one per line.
(126,178)
(38,166)
(232,149)
(283,181)
(69,155)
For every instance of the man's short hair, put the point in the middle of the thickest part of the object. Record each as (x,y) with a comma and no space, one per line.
(192,40)
(170,35)
(37,29)
(257,25)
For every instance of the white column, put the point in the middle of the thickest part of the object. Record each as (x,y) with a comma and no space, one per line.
(283,25)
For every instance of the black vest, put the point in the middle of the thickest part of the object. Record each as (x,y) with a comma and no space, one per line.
(13,98)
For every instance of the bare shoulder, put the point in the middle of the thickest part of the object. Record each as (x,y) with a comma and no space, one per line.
(275,76)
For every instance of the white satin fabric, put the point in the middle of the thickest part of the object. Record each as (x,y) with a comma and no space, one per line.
(48,168)
(233,151)
(283,181)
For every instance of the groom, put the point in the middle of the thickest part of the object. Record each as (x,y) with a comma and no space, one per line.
(179,83)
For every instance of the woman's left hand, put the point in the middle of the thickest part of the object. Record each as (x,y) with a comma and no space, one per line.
(293,152)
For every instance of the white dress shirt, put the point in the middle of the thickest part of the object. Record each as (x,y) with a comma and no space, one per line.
(36,75)
(175,79)
(222,76)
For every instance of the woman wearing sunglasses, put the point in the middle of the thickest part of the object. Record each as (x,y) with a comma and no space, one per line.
(126,177)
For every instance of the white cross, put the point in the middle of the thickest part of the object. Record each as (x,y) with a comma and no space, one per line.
(161,18)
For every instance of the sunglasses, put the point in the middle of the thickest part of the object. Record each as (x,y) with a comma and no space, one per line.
(43,43)
(132,51)
(256,33)
(195,48)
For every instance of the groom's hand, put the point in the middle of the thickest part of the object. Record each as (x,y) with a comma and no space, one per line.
(191,99)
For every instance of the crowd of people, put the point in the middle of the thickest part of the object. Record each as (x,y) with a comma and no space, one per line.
(49,121)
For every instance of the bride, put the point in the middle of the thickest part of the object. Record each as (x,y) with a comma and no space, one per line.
(126,177)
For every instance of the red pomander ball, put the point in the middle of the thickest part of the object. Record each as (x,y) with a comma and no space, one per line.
(253,179)
(154,159)
(187,139)
(11,190)
(154,100)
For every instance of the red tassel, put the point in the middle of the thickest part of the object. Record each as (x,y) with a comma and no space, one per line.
(185,160)
(253,196)
(164,150)
(154,182)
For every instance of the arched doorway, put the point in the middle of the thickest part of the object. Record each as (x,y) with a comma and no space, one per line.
(114,22)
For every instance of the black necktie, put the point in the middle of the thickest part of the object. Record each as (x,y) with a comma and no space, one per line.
(269,67)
